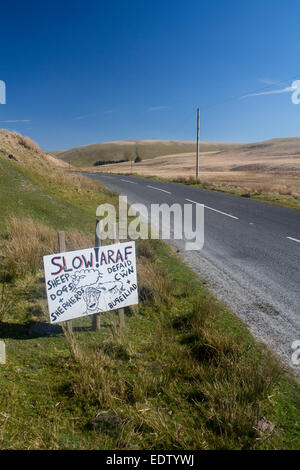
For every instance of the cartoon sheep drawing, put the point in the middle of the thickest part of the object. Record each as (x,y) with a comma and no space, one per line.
(85,277)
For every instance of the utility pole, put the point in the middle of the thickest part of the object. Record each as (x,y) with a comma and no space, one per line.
(197,151)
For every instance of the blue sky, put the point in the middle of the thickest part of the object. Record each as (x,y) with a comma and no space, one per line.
(80,72)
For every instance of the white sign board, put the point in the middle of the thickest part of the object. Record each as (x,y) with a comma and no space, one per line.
(2,353)
(92,280)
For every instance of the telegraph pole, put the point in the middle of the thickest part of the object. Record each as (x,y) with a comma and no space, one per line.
(197,151)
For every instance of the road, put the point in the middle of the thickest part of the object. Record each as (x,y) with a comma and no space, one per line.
(251,254)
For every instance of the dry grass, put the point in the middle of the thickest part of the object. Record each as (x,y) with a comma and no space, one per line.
(254,182)
(152,286)
(27,241)
(145,248)
(24,151)
(29,144)
(76,240)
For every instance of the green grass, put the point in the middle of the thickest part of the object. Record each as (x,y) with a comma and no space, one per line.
(32,194)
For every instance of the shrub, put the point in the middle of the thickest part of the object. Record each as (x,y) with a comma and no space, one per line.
(29,144)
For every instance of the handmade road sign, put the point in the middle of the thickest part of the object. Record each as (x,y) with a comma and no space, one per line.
(89,281)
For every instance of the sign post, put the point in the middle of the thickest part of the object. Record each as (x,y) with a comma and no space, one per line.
(121,310)
(96,321)
(62,249)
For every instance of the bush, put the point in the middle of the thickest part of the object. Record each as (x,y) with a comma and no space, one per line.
(109,162)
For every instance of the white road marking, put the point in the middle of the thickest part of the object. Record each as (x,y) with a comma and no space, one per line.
(127,181)
(158,189)
(215,210)
(294,239)
(195,202)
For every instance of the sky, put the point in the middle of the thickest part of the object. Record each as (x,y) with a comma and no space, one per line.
(81,72)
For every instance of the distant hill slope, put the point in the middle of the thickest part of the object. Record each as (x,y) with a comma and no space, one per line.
(272,147)
(128,149)
(87,155)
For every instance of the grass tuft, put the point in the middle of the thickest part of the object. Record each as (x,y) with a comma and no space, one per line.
(27,241)
(29,144)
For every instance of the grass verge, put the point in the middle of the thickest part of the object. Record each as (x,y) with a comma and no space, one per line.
(184,373)
(284,200)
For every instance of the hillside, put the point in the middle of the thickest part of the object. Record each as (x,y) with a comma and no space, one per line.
(25,151)
(86,156)
(279,146)
(272,166)
(127,150)
(34,183)
(275,153)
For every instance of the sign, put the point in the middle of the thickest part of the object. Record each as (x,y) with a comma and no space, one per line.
(92,280)
(2,353)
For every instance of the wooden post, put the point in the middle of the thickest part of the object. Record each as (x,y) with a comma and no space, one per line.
(96,317)
(62,249)
(61,242)
(120,310)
